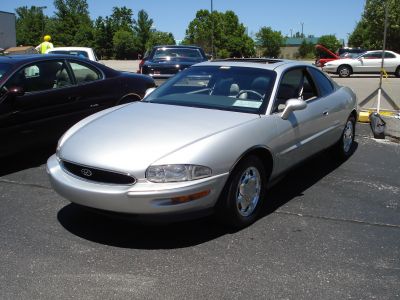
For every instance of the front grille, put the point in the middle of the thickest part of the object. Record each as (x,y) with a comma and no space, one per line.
(97,175)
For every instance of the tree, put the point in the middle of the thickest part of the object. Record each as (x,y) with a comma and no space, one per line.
(228,35)
(160,38)
(143,30)
(306,50)
(30,25)
(368,32)
(330,42)
(125,45)
(72,16)
(122,19)
(270,41)
(103,37)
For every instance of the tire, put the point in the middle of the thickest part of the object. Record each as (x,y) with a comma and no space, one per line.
(128,99)
(397,72)
(248,178)
(344,148)
(344,71)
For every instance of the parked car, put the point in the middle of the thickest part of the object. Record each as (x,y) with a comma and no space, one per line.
(83,52)
(41,96)
(166,61)
(367,63)
(325,55)
(210,139)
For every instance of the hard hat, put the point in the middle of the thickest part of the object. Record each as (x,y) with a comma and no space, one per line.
(47,38)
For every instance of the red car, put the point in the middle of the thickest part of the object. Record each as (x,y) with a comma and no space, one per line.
(325,55)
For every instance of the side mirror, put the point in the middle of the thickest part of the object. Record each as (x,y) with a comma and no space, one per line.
(149,91)
(293,105)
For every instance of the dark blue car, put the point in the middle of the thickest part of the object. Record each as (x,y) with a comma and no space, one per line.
(166,61)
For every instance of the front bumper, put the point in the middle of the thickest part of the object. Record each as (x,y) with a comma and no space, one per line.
(144,197)
(329,69)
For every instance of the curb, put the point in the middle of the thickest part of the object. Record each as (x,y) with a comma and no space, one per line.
(363,115)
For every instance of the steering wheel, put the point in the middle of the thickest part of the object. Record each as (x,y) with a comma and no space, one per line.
(250,92)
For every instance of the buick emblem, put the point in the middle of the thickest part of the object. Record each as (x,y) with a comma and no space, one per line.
(86,172)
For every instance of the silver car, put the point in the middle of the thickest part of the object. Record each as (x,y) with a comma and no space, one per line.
(366,63)
(210,139)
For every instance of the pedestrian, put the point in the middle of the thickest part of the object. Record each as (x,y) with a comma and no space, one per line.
(43,47)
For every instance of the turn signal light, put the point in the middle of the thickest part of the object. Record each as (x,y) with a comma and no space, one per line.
(183,199)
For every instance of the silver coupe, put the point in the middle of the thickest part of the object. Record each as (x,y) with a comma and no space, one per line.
(210,139)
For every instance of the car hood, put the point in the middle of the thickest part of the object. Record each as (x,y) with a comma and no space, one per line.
(136,135)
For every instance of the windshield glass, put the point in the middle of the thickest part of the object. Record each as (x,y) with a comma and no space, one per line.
(79,53)
(177,53)
(4,68)
(218,87)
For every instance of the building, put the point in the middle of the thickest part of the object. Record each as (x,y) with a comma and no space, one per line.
(8,35)
(292,46)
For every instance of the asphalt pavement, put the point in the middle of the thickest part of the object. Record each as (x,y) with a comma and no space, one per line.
(330,231)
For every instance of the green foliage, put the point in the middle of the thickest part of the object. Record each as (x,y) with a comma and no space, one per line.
(270,41)
(142,29)
(72,16)
(103,38)
(223,31)
(122,19)
(125,45)
(368,32)
(306,50)
(330,42)
(160,38)
(30,25)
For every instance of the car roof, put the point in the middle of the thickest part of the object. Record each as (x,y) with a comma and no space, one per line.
(177,46)
(261,63)
(26,58)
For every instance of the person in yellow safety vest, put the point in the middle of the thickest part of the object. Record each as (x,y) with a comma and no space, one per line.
(43,47)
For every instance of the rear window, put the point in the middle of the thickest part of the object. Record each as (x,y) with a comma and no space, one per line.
(172,53)
(4,67)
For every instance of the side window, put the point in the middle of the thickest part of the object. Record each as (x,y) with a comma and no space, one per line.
(389,55)
(324,84)
(84,73)
(40,76)
(294,84)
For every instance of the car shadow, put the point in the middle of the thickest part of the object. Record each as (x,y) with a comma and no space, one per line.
(26,159)
(133,234)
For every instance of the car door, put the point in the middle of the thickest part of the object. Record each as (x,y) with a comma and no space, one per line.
(41,108)
(370,62)
(391,62)
(304,132)
(94,91)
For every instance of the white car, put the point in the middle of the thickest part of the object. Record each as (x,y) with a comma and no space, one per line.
(366,63)
(83,52)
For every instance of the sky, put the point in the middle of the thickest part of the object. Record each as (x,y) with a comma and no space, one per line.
(337,17)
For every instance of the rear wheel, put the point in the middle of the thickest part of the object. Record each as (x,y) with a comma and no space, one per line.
(344,71)
(344,148)
(241,199)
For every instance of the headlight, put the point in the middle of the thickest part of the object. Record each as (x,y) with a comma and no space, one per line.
(176,173)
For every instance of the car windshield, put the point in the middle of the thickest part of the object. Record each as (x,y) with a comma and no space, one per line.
(229,88)
(177,53)
(4,67)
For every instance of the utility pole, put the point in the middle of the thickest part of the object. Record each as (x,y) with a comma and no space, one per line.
(383,59)
(212,31)
(291,32)
(42,8)
(302,25)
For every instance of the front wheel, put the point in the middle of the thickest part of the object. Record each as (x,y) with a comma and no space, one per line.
(344,148)
(344,71)
(397,72)
(240,201)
